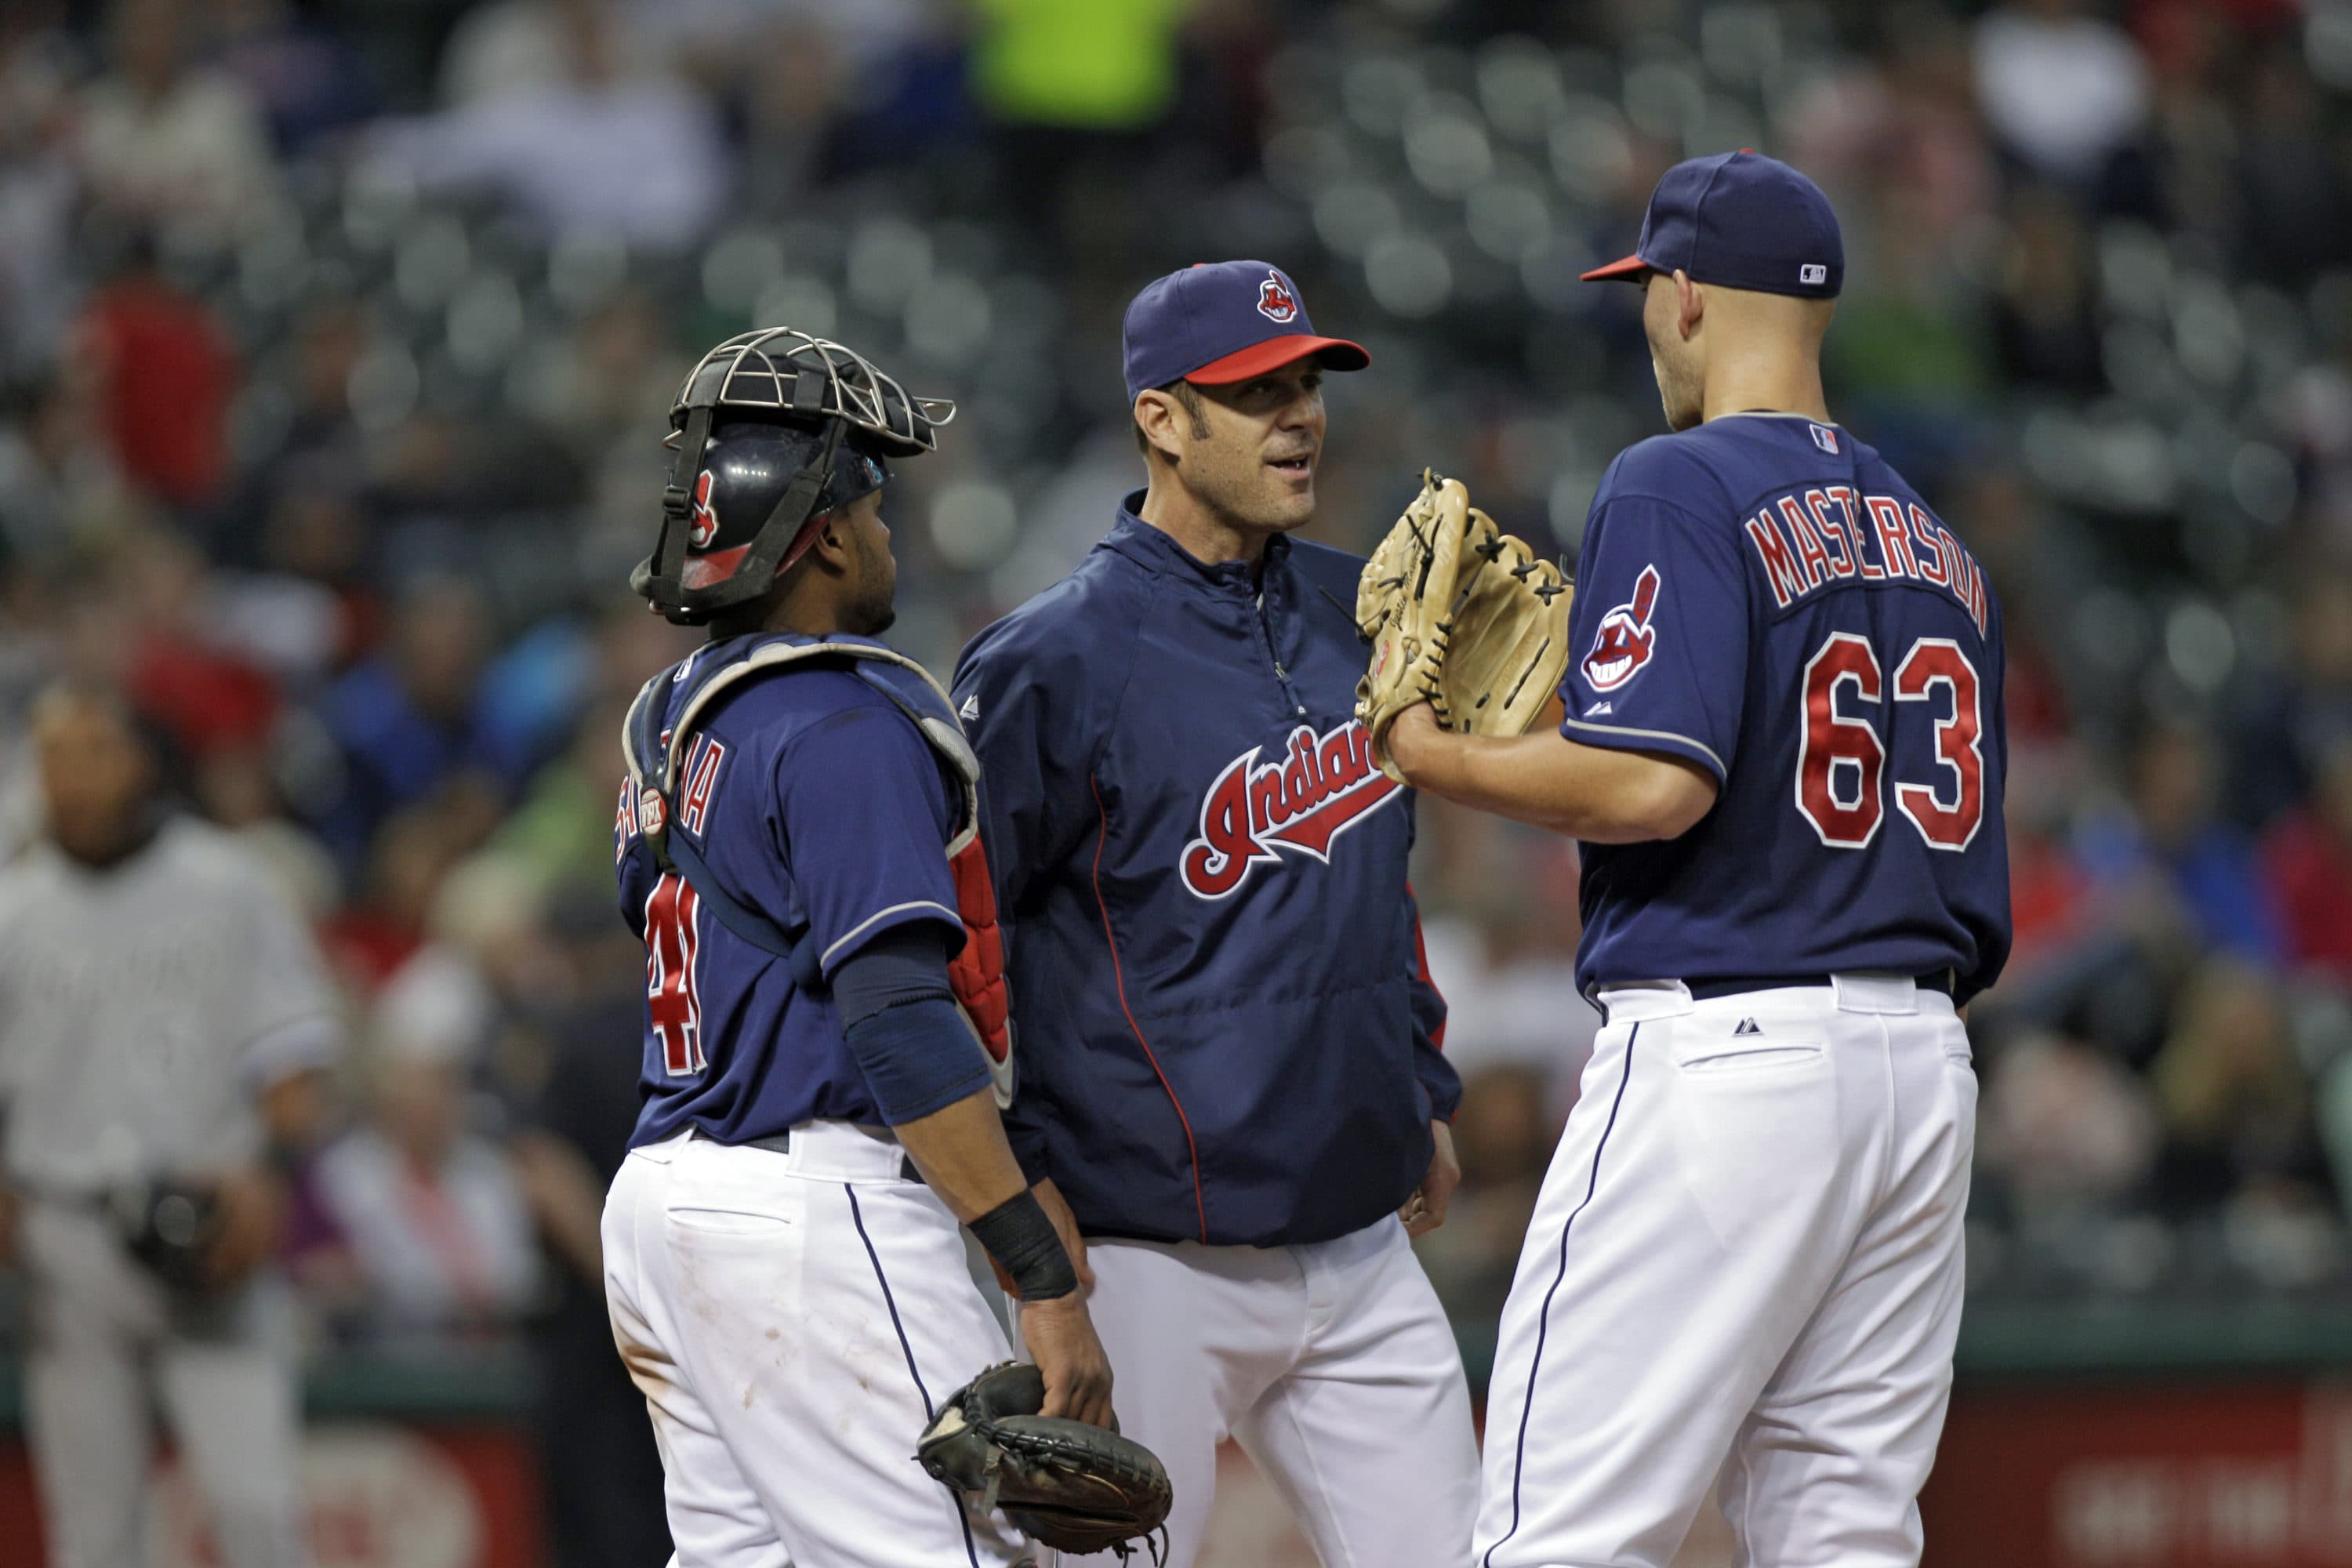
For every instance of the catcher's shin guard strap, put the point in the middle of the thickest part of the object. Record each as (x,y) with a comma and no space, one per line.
(1017,1234)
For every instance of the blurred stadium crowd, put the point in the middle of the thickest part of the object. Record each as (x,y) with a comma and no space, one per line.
(337,340)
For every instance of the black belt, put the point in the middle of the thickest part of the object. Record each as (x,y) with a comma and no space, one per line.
(778,1142)
(1941,981)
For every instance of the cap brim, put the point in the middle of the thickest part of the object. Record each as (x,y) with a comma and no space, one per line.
(1631,268)
(1337,353)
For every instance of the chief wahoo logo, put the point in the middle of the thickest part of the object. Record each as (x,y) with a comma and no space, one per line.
(1625,639)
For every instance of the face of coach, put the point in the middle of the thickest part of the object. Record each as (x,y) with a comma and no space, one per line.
(1244,452)
(1225,374)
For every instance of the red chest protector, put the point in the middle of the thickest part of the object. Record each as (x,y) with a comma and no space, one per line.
(655,747)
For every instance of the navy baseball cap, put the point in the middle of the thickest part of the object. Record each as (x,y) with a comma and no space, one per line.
(1220,322)
(1742,220)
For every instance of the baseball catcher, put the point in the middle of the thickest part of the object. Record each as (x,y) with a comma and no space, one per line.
(1461,615)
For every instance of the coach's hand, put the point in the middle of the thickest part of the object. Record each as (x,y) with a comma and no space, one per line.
(1426,1210)
(1061,1338)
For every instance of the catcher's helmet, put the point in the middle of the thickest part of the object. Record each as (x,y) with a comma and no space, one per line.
(772,430)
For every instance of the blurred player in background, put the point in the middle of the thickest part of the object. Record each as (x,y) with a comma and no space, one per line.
(162,1018)
(1232,1082)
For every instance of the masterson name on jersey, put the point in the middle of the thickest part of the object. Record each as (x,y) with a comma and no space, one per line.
(1320,786)
(1840,536)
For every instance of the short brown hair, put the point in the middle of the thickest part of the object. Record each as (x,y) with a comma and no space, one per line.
(1186,393)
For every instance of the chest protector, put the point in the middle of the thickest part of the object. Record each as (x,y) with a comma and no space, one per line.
(656,748)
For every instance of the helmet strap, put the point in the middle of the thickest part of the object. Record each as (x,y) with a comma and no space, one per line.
(786,536)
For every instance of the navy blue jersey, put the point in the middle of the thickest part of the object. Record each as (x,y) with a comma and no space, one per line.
(1226,1034)
(1765,598)
(816,801)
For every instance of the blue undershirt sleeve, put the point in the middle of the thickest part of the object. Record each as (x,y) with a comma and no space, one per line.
(917,1052)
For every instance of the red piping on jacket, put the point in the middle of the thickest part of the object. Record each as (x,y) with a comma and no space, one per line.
(1420,961)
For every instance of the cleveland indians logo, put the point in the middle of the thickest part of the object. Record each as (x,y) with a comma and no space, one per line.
(705,527)
(1626,639)
(1276,303)
(1323,785)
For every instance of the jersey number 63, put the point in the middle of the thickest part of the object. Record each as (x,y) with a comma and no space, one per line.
(1841,760)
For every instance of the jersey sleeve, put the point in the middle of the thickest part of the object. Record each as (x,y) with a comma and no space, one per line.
(1658,641)
(291,1024)
(1023,718)
(864,818)
(1026,715)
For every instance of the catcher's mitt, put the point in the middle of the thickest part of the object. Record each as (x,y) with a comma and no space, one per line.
(168,1227)
(1067,1484)
(1461,615)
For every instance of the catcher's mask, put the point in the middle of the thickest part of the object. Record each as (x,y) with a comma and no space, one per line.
(772,430)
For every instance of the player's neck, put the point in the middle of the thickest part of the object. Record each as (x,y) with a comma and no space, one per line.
(1775,383)
(1206,534)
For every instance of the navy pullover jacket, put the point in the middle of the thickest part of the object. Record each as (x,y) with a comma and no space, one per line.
(1223,1020)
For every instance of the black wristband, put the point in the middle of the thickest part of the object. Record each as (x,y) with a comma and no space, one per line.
(1026,1245)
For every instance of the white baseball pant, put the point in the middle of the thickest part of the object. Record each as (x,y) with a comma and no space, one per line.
(1745,1268)
(1331,1364)
(106,1336)
(795,1318)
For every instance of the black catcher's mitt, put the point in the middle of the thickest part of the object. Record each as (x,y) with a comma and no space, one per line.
(168,1227)
(1069,1485)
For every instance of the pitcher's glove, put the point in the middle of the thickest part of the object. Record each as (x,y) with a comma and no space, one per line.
(1069,1485)
(1461,615)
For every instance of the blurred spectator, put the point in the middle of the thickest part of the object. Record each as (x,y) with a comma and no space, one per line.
(2307,857)
(164,372)
(58,480)
(2237,1106)
(2287,722)
(431,1212)
(2063,1126)
(415,717)
(2044,319)
(1077,65)
(37,188)
(306,80)
(214,700)
(2063,89)
(598,147)
(166,144)
(2170,845)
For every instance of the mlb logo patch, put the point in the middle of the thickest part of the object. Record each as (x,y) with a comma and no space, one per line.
(1824,437)
(1813,272)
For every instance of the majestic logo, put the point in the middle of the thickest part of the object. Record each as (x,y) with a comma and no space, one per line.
(1276,303)
(1321,786)
(1625,640)
(706,521)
